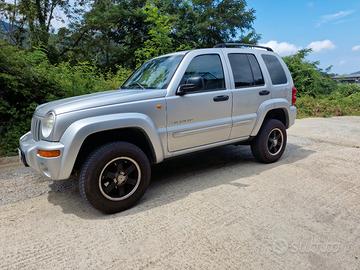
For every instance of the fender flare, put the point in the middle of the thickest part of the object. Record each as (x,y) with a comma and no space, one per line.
(77,132)
(265,107)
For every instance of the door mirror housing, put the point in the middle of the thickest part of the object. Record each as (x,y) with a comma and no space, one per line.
(192,84)
(186,88)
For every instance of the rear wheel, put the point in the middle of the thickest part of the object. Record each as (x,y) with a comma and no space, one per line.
(270,143)
(114,177)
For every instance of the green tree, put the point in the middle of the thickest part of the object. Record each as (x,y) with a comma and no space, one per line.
(309,79)
(159,28)
(205,23)
(31,21)
(112,31)
(108,35)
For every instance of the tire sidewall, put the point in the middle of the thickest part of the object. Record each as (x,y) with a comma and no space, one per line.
(260,146)
(275,124)
(93,168)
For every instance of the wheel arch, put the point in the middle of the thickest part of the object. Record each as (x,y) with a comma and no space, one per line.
(84,135)
(279,114)
(272,109)
(133,135)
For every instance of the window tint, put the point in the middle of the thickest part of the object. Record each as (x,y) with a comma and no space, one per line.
(207,71)
(275,69)
(255,67)
(246,70)
(241,69)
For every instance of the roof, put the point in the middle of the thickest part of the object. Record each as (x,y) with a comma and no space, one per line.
(348,76)
(238,48)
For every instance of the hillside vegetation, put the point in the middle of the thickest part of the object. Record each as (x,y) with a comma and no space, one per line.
(112,38)
(318,94)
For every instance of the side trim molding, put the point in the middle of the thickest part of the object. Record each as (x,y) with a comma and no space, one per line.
(200,130)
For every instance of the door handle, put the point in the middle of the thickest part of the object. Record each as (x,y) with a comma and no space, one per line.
(264,92)
(221,98)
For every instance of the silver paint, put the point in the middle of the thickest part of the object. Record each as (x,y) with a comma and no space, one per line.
(183,124)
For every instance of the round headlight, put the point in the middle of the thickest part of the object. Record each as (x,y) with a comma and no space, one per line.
(47,124)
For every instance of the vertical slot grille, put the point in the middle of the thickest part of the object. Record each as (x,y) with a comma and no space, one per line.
(35,128)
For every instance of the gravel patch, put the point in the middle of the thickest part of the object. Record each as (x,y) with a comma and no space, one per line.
(218,209)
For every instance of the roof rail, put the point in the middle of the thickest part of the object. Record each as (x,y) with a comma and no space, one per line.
(233,44)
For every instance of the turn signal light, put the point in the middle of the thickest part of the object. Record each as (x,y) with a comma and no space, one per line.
(48,153)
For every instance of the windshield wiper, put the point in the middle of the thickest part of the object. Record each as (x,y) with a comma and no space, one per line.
(136,84)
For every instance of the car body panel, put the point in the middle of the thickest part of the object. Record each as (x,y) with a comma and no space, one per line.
(195,119)
(246,100)
(146,102)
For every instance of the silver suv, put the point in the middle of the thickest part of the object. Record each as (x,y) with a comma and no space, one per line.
(172,105)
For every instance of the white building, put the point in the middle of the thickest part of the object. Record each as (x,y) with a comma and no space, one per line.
(351,78)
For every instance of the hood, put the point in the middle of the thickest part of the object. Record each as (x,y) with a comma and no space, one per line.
(97,100)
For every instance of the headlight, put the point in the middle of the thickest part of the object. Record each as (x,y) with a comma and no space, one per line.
(47,124)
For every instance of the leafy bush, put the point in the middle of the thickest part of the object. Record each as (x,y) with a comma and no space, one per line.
(319,95)
(22,89)
(309,79)
(27,79)
(344,89)
(335,104)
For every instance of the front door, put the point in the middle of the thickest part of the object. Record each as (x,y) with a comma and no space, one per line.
(202,115)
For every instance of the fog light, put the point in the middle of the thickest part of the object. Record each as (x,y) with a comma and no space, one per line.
(48,153)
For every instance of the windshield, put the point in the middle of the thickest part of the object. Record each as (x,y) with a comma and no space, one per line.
(154,74)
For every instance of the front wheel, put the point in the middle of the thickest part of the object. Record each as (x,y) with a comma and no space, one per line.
(270,143)
(114,177)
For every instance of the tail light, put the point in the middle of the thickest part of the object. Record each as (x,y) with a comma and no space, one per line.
(293,96)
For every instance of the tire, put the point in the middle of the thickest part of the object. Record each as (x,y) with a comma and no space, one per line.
(263,146)
(114,177)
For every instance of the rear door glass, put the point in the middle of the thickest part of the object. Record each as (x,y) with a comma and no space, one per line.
(246,70)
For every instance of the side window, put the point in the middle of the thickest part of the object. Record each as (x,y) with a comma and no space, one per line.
(275,69)
(255,67)
(241,69)
(246,70)
(205,72)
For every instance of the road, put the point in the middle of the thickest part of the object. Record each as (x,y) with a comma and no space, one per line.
(217,209)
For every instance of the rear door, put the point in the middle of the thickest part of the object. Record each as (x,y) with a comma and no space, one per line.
(203,116)
(249,89)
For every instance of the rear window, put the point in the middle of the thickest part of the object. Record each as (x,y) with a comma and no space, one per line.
(275,69)
(246,70)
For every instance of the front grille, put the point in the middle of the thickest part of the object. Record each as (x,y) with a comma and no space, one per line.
(36,128)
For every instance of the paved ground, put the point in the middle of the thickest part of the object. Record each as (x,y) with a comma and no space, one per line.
(217,209)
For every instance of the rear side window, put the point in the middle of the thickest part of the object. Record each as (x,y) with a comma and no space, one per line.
(258,77)
(275,69)
(246,70)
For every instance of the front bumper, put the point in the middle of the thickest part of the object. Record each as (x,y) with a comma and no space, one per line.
(50,167)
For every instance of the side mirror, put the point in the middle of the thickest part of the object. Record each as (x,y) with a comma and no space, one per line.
(186,88)
(192,84)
